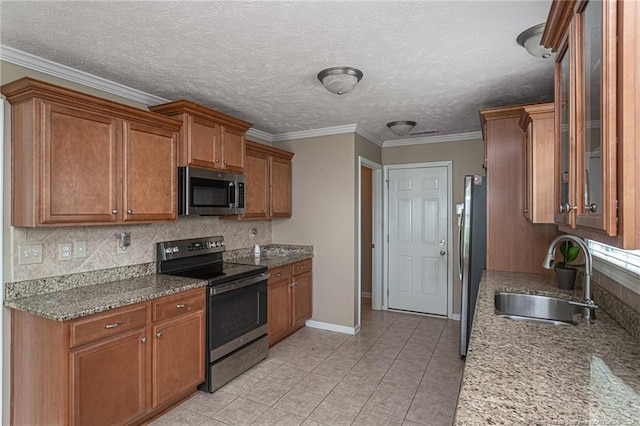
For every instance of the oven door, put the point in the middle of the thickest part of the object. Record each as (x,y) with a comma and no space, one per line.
(237,314)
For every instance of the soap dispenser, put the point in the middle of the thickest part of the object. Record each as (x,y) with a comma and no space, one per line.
(256,250)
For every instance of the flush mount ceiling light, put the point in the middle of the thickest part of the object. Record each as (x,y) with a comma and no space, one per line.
(404,128)
(530,40)
(340,80)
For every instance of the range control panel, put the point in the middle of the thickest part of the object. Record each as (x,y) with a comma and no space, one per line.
(168,250)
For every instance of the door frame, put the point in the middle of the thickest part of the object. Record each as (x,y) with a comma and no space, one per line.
(376,278)
(450,248)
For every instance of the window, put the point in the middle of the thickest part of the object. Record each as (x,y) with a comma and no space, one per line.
(621,265)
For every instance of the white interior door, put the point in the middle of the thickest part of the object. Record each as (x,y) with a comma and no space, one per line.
(418,246)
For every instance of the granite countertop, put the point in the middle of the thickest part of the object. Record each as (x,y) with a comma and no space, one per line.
(534,374)
(273,256)
(81,301)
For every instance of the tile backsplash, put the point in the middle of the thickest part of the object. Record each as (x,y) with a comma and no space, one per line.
(101,243)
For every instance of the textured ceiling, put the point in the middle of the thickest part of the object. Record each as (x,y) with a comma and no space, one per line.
(434,62)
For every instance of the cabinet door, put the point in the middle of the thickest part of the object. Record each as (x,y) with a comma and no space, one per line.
(108,381)
(232,149)
(257,185)
(528,157)
(178,356)
(280,187)
(79,167)
(301,298)
(150,174)
(278,313)
(596,116)
(565,161)
(202,137)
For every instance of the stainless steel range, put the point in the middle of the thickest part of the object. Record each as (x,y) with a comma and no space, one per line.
(236,307)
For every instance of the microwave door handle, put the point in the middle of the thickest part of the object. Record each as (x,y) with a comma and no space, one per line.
(232,194)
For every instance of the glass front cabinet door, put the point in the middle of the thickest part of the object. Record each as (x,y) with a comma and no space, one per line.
(586,119)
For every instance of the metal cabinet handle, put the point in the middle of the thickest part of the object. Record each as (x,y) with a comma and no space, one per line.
(182,305)
(224,162)
(303,267)
(293,284)
(143,340)
(114,211)
(114,325)
(592,208)
(129,211)
(442,252)
(217,160)
(566,208)
(159,335)
(278,274)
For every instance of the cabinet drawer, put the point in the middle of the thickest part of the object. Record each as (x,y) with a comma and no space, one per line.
(99,326)
(178,304)
(302,267)
(280,273)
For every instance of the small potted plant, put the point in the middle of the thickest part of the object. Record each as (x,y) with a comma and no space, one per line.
(565,270)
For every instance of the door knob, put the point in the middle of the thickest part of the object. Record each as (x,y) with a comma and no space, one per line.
(442,252)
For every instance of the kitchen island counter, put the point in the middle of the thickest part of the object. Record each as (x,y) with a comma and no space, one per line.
(526,373)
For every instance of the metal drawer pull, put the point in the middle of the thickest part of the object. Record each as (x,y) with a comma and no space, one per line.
(129,211)
(182,305)
(293,284)
(159,335)
(114,211)
(143,340)
(278,274)
(114,325)
(303,266)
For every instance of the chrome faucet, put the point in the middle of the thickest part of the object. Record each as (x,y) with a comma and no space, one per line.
(588,305)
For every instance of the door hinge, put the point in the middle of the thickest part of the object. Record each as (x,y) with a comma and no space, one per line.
(387,237)
(387,183)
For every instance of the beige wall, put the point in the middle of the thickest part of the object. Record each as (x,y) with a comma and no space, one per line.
(467,159)
(323,215)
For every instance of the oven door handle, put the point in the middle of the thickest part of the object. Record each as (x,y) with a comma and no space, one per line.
(238,284)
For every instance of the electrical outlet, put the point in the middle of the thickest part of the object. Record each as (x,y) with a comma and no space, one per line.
(30,254)
(64,251)
(79,249)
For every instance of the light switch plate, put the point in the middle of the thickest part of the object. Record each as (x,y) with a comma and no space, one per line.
(30,254)
(65,251)
(79,249)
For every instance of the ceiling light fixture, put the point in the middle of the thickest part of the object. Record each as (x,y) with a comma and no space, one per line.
(404,128)
(340,80)
(530,40)
(401,128)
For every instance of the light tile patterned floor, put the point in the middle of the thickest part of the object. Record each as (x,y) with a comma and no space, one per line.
(401,369)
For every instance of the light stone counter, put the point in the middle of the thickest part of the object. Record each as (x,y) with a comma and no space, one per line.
(519,373)
(81,301)
(272,255)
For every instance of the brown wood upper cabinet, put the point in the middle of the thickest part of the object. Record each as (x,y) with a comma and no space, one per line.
(78,159)
(268,186)
(538,146)
(596,116)
(208,138)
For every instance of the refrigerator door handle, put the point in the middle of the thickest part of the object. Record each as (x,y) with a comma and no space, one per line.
(460,248)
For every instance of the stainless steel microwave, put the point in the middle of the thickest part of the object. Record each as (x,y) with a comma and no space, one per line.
(209,193)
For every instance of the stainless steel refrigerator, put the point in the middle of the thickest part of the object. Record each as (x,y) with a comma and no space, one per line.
(472,250)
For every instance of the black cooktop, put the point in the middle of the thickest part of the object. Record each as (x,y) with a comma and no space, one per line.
(221,273)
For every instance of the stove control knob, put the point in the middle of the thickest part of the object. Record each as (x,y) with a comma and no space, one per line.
(168,250)
(217,243)
(175,249)
(210,245)
(222,243)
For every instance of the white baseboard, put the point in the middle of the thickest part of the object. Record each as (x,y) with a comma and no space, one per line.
(332,327)
(365,294)
(455,317)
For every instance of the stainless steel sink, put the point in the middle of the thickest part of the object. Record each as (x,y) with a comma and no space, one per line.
(534,308)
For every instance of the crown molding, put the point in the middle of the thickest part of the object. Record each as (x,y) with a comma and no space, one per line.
(433,139)
(325,131)
(55,69)
(367,135)
(259,134)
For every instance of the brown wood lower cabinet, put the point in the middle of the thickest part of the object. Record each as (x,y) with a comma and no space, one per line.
(113,368)
(290,299)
